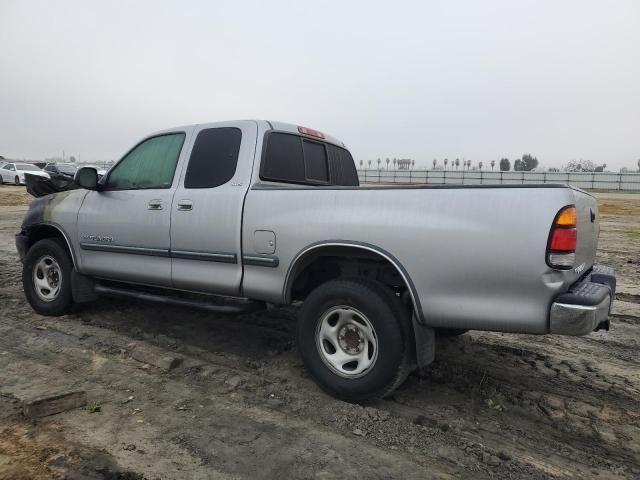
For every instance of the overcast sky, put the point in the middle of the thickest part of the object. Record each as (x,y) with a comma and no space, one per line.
(425,79)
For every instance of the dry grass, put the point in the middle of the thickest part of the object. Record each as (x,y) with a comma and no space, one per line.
(11,196)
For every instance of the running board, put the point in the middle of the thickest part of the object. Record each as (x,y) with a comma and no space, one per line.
(239,307)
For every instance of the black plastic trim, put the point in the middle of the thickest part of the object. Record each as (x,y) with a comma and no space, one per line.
(272,262)
(220,257)
(206,256)
(236,308)
(97,247)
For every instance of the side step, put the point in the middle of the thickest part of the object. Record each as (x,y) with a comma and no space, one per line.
(235,308)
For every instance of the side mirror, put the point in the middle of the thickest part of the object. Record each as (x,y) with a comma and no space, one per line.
(86,177)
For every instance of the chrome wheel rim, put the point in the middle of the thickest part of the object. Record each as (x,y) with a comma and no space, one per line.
(347,342)
(47,278)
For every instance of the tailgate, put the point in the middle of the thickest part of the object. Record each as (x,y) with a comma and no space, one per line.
(588,231)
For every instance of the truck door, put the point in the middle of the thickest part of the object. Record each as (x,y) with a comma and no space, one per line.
(206,216)
(123,229)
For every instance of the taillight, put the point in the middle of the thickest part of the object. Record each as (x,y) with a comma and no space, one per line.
(563,239)
(311,132)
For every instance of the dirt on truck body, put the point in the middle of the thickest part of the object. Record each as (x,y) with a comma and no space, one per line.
(173,393)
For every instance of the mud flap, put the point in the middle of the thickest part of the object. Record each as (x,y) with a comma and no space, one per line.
(82,288)
(425,338)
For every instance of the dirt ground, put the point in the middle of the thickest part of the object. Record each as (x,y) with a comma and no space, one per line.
(240,405)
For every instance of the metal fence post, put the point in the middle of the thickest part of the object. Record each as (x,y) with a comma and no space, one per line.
(593,180)
(620,181)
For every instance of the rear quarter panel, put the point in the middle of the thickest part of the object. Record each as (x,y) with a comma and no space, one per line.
(475,255)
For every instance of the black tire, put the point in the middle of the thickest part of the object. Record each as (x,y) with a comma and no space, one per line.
(17,180)
(450,332)
(391,322)
(63,302)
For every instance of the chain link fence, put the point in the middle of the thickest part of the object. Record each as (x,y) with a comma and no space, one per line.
(584,180)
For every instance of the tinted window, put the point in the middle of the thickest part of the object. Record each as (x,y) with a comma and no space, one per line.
(343,170)
(315,161)
(151,164)
(284,159)
(214,158)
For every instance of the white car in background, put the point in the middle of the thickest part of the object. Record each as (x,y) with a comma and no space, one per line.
(14,172)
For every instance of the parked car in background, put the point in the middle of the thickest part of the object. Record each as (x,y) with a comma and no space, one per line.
(67,170)
(14,172)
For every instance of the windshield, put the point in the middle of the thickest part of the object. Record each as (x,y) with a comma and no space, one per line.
(28,168)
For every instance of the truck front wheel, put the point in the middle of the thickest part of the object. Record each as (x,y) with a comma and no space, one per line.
(355,338)
(46,277)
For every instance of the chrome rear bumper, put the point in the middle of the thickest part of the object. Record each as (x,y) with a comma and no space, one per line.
(586,306)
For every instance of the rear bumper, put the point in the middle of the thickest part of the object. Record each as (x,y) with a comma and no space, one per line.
(586,306)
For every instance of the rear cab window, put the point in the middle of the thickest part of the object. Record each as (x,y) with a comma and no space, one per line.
(291,158)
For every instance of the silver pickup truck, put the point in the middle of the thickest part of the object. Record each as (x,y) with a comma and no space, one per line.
(236,216)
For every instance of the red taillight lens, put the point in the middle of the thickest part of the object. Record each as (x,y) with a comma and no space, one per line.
(564,240)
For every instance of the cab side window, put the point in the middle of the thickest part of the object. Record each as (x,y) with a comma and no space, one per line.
(151,164)
(214,157)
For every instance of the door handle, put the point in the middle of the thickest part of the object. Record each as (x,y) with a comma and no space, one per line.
(154,205)
(185,205)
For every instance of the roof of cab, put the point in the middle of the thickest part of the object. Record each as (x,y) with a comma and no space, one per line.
(274,125)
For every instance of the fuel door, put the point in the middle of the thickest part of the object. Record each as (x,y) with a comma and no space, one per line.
(264,241)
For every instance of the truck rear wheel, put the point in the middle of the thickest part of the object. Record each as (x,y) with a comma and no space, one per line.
(46,278)
(355,338)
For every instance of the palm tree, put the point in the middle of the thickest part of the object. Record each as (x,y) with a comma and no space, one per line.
(457,163)
(361,162)
(434,163)
(493,164)
(639,164)
(446,161)
(468,164)
(388,163)
(379,162)
(480,165)
(413,163)
(369,163)
(394,163)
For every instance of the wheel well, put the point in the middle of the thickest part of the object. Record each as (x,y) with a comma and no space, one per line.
(40,232)
(327,263)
